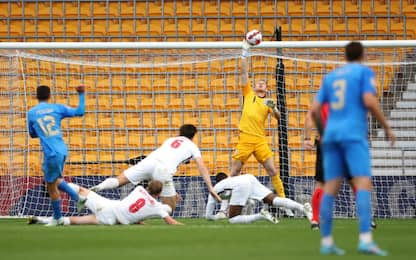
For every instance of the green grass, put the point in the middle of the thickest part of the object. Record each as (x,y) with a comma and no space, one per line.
(197,240)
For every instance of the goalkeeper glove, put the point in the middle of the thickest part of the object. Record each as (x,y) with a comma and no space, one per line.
(272,104)
(246,48)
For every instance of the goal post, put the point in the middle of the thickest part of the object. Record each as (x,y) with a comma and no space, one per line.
(139,93)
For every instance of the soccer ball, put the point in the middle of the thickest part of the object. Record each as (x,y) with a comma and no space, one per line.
(253,37)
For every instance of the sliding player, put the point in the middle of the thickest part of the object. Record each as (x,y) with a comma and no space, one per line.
(252,139)
(139,205)
(161,164)
(350,92)
(239,189)
(44,122)
(319,170)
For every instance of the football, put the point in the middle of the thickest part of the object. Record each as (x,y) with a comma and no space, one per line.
(253,37)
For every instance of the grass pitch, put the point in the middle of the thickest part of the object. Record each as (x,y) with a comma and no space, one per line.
(197,240)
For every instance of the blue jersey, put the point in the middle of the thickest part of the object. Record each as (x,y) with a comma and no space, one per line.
(44,121)
(343,90)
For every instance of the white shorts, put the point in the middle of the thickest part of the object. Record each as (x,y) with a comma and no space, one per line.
(103,208)
(253,190)
(150,169)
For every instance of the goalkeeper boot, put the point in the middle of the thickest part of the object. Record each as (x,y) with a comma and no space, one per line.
(55,222)
(371,249)
(268,216)
(32,220)
(331,250)
(307,210)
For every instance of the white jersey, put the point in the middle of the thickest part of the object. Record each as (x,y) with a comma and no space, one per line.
(238,190)
(174,151)
(137,206)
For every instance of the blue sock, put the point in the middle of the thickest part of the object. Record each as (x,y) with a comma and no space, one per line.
(56,206)
(63,186)
(327,204)
(364,210)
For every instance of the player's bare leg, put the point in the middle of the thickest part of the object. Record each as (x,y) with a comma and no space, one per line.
(111,183)
(236,167)
(276,181)
(171,201)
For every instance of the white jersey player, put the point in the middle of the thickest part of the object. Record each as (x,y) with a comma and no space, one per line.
(162,164)
(239,189)
(139,205)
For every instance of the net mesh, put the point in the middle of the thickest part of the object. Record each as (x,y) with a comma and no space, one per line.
(138,98)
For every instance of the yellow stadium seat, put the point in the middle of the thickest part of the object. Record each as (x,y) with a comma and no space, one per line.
(232,28)
(252,8)
(297,9)
(71,28)
(16,28)
(155,10)
(105,140)
(409,9)
(16,9)
(71,9)
(269,8)
(182,8)
(238,9)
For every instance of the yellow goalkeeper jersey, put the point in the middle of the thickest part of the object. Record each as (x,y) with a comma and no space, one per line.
(254,113)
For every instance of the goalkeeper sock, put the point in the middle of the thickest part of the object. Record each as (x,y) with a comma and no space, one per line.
(287,203)
(56,207)
(63,186)
(278,186)
(326,215)
(316,203)
(245,219)
(109,183)
(363,200)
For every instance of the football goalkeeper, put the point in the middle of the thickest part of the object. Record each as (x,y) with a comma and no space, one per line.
(252,139)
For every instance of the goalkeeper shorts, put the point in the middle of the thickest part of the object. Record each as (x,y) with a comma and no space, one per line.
(248,145)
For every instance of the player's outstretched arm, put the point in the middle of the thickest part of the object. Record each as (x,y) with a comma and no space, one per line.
(371,102)
(307,142)
(203,171)
(244,69)
(171,221)
(316,115)
(80,110)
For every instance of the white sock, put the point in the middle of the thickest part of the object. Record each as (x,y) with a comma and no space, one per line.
(245,219)
(44,220)
(224,205)
(74,186)
(366,237)
(109,183)
(287,203)
(327,241)
(67,222)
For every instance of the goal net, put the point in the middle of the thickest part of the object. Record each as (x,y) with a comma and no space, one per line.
(136,98)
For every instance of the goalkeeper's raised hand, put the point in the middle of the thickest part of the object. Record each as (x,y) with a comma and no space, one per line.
(272,104)
(246,48)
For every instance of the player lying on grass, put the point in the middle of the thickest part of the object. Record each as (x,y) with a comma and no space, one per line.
(239,189)
(161,164)
(139,205)
(350,91)
(252,138)
(319,169)
(44,122)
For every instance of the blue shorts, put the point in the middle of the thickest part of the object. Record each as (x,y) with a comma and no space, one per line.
(346,159)
(53,167)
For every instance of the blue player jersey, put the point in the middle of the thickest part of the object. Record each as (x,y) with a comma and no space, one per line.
(44,121)
(343,89)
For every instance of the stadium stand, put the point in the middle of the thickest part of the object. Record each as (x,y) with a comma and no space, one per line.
(199,21)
